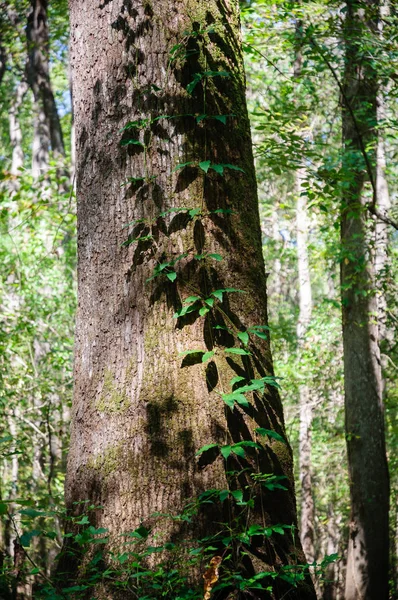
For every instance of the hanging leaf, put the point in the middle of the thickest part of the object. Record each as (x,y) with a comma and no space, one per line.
(204,165)
(218,294)
(230,402)
(218,169)
(239,351)
(207,356)
(236,397)
(203,311)
(132,142)
(206,448)
(270,433)
(172,276)
(182,165)
(191,299)
(236,379)
(193,212)
(244,337)
(237,494)
(253,386)
(192,85)
(221,118)
(233,167)
(238,450)
(226,451)
(215,256)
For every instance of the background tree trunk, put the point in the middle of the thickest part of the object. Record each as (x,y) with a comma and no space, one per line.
(140,411)
(367,563)
(38,75)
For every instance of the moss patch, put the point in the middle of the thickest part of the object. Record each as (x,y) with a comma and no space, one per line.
(112,400)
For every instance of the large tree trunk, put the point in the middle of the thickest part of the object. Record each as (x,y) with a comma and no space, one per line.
(140,410)
(367,563)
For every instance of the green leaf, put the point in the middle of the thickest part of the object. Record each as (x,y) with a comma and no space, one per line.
(230,402)
(187,352)
(206,448)
(191,299)
(141,532)
(278,529)
(244,337)
(123,557)
(254,385)
(221,118)
(203,311)
(209,302)
(27,536)
(218,294)
(223,495)
(239,351)
(3,508)
(260,334)
(34,571)
(204,165)
(192,85)
(83,521)
(193,212)
(135,124)
(132,142)
(226,451)
(236,379)
(207,356)
(270,433)
(215,256)
(233,167)
(31,512)
(235,397)
(182,165)
(200,118)
(237,494)
(238,450)
(172,276)
(218,169)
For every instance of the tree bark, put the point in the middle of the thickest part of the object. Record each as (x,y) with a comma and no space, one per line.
(38,75)
(140,410)
(16,131)
(307,512)
(367,563)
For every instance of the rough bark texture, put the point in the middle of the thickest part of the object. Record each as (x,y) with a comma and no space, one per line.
(141,411)
(367,563)
(38,76)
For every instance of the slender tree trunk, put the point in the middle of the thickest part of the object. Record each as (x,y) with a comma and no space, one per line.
(38,76)
(332,547)
(307,512)
(381,258)
(305,303)
(367,562)
(140,410)
(40,143)
(15,130)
